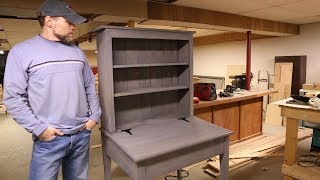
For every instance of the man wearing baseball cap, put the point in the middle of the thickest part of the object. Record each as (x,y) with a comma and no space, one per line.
(49,89)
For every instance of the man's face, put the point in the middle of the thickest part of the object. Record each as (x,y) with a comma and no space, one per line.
(63,30)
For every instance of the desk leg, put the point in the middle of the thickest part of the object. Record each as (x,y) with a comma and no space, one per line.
(141,174)
(179,174)
(224,162)
(290,153)
(106,160)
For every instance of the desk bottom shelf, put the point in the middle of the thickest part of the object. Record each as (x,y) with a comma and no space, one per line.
(301,173)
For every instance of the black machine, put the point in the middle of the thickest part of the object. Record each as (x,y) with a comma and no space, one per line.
(239,80)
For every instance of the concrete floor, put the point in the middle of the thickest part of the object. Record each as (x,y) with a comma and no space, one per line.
(16,145)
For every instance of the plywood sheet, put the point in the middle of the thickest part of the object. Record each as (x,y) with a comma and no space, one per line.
(273,115)
(282,81)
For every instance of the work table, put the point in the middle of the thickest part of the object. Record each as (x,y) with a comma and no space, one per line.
(241,113)
(290,167)
(238,96)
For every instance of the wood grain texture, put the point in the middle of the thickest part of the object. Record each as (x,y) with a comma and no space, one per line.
(299,172)
(226,21)
(167,135)
(227,116)
(204,114)
(294,113)
(282,81)
(235,98)
(300,112)
(153,131)
(250,117)
(226,37)
(290,152)
(226,112)
(298,72)
(104,42)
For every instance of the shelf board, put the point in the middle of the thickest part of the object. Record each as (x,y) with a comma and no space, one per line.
(149,90)
(299,172)
(148,65)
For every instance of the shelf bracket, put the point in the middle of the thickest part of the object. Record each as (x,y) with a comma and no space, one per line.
(184,119)
(127,131)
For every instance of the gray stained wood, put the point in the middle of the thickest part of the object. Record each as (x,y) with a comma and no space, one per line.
(145,89)
(164,136)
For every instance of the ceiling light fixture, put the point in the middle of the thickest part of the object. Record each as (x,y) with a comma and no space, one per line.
(1,52)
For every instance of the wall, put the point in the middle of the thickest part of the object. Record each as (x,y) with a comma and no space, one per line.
(91,57)
(212,60)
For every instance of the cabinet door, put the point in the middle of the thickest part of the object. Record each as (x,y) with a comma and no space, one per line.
(227,116)
(250,117)
(204,114)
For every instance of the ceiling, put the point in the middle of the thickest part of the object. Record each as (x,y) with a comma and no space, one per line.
(17,17)
(290,11)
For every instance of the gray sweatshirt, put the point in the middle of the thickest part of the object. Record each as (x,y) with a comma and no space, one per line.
(49,84)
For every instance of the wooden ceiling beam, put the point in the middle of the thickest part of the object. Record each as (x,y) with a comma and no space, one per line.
(218,20)
(226,37)
(130,8)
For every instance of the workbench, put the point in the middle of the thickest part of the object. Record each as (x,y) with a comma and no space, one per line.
(290,168)
(241,113)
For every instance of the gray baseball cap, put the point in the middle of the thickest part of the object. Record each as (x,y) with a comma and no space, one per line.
(59,8)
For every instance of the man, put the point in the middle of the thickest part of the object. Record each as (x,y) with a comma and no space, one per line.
(49,89)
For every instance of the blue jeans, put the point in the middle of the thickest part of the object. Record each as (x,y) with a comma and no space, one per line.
(70,151)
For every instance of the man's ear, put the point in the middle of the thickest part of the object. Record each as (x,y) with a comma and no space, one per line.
(49,21)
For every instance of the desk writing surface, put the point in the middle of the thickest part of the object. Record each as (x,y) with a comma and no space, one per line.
(165,136)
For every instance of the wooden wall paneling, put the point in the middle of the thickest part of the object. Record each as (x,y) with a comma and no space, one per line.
(190,16)
(250,117)
(204,113)
(226,37)
(119,52)
(227,116)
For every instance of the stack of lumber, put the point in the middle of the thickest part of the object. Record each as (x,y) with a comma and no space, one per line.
(248,151)
(311,86)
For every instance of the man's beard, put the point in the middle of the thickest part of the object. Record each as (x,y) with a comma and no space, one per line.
(64,38)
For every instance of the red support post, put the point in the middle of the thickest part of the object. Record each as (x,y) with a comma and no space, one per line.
(248,67)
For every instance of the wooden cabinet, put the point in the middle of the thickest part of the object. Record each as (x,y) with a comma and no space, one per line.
(241,113)
(148,127)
